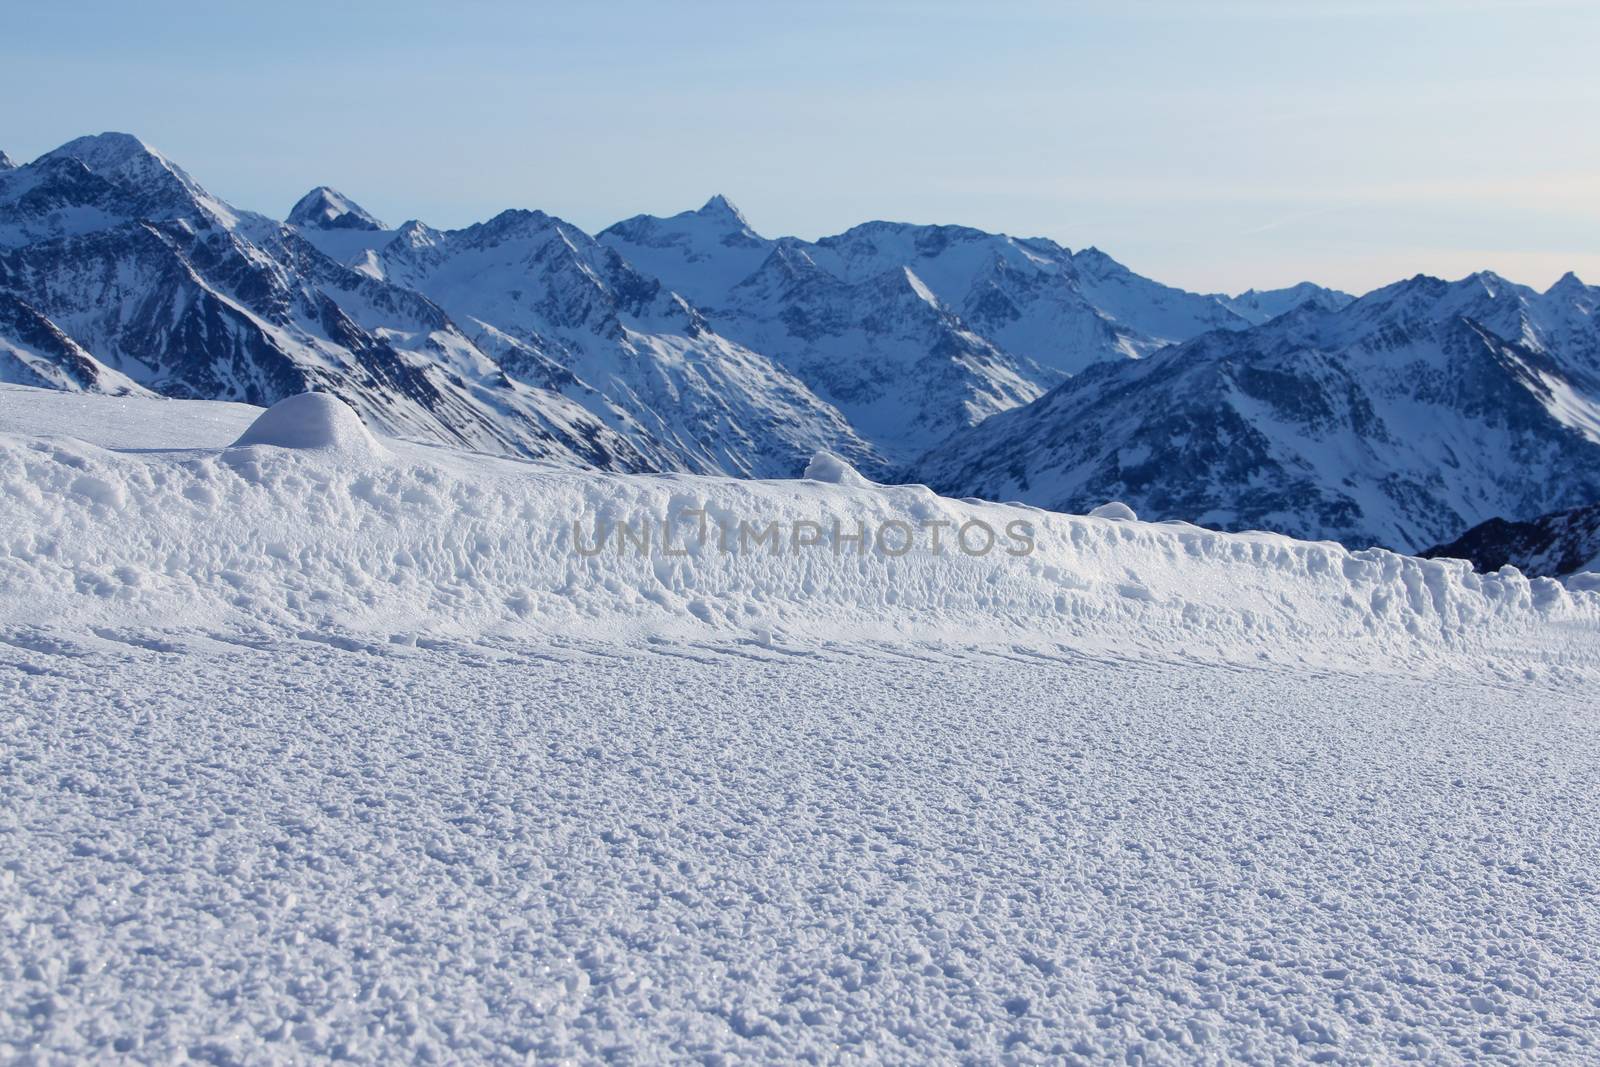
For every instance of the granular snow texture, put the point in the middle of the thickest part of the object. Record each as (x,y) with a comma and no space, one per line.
(725,852)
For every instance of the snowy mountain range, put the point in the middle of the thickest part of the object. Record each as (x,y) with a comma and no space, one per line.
(915,332)
(685,343)
(981,363)
(1400,418)
(114,256)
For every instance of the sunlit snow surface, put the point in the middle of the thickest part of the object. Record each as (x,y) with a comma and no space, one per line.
(311,753)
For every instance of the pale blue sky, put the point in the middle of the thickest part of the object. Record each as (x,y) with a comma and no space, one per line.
(1210,145)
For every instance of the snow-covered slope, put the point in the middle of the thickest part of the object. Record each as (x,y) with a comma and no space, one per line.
(98,182)
(325,745)
(136,423)
(702,254)
(1560,543)
(1160,314)
(1401,419)
(529,287)
(34,351)
(342,230)
(902,368)
(868,334)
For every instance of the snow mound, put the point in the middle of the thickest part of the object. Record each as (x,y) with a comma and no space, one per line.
(1584,581)
(312,422)
(1116,509)
(833,470)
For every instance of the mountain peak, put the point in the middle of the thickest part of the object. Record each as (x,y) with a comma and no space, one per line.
(1302,299)
(1491,283)
(1568,282)
(6,162)
(328,209)
(1096,263)
(415,234)
(1296,289)
(105,151)
(515,220)
(152,184)
(1418,286)
(720,207)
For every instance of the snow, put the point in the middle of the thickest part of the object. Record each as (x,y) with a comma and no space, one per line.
(1571,407)
(317,754)
(124,158)
(124,422)
(716,240)
(312,421)
(1115,509)
(126,285)
(22,364)
(831,469)
(924,294)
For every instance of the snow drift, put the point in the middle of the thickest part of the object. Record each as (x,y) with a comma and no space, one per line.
(316,422)
(336,531)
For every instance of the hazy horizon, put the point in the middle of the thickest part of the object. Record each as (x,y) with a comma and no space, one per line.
(1242,146)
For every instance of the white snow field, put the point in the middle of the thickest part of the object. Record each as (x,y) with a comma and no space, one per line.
(326,746)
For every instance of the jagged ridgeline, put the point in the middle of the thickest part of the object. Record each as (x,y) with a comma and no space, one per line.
(983,364)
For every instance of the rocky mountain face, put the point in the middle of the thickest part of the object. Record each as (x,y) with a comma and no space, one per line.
(1400,419)
(328,209)
(1032,299)
(915,332)
(34,351)
(535,291)
(1550,546)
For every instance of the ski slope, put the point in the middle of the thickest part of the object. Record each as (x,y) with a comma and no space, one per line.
(346,750)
